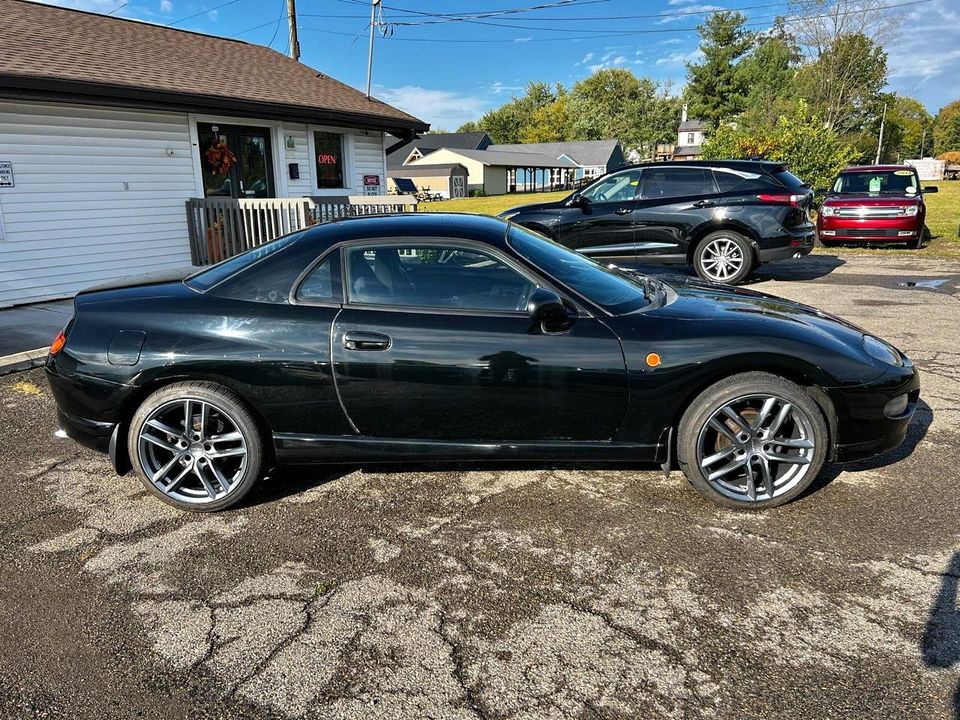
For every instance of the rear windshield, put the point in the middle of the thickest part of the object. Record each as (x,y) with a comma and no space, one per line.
(789,179)
(610,290)
(206,279)
(881,182)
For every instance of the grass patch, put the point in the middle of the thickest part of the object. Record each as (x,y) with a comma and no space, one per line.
(943,219)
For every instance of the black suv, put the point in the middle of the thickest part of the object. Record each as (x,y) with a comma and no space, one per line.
(723,217)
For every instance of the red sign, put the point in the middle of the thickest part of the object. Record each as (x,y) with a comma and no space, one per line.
(371,179)
(326,159)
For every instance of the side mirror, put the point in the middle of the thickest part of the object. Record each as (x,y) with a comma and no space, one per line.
(578,200)
(547,311)
(931,189)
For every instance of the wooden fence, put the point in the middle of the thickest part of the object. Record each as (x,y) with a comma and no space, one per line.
(223,227)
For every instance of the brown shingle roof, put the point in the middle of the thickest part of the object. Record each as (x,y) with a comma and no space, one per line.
(55,50)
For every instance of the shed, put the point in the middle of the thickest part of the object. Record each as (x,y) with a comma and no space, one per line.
(448,179)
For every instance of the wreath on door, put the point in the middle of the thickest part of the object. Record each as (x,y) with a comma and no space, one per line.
(220,157)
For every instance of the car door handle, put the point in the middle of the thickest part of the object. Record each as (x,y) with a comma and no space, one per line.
(623,211)
(704,203)
(365,341)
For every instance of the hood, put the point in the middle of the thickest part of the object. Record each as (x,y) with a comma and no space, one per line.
(700,298)
(871,199)
(532,207)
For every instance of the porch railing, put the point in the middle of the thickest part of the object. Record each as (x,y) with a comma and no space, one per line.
(223,227)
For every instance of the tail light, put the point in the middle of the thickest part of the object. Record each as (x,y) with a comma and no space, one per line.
(58,342)
(781,199)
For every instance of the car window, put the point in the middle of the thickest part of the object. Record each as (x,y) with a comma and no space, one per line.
(206,279)
(668,182)
(789,180)
(322,284)
(434,276)
(611,290)
(614,188)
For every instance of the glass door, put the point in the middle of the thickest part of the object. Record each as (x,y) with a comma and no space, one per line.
(235,160)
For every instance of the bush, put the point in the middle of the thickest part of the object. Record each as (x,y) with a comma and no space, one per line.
(812,151)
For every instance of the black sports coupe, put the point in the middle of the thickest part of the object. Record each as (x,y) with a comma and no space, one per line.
(455,337)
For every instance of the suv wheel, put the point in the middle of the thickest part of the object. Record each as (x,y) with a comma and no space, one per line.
(724,257)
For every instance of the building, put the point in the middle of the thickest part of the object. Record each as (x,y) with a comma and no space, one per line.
(107,127)
(402,152)
(690,137)
(448,180)
(494,172)
(592,158)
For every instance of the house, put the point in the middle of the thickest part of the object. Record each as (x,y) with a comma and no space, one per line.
(592,158)
(494,172)
(448,180)
(404,152)
(107,127)
(690,137)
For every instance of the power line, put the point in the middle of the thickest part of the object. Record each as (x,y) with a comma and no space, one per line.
(121,6)
(202,12)
(276,29)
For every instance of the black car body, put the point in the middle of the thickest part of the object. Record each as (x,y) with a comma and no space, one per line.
(665,213)
(491,343)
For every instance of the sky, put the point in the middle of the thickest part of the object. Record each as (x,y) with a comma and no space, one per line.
(447,72)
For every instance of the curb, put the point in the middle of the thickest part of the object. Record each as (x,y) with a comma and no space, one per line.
(22,360)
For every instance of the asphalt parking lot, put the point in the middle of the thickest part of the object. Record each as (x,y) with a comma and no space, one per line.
(517,592)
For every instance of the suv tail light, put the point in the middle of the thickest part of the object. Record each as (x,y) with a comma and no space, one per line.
(781,199)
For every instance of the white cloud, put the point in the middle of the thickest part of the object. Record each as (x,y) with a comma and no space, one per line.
(522,39)
(679,2)
(213,15)
(679,59)
(671,41)
(498,88)
(441,108)
(586,58)
(689,10)
(166,6)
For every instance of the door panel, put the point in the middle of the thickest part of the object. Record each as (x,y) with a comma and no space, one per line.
(673,201)
(603,228)
(475,377)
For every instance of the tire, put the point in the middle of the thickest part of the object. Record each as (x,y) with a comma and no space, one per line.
(703,451)
(829,243)
(915,244)
(208,466)
(724,257)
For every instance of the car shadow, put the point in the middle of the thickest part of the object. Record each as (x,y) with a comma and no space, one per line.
(940,645)
(810,267)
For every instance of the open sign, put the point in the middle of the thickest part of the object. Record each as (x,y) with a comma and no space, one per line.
(326,159)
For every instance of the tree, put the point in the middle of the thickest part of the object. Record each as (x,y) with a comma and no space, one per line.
(946,130)
(469,126)
(506,123)
(717,88)
(813,151)
(550,123)
(616,104)
(769,73)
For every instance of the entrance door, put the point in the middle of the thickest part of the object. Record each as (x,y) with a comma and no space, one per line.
(459,185)
(236,161)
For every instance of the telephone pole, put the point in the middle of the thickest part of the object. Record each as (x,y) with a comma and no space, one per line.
(880,140)
(373,11)
(923,141)
(292,21)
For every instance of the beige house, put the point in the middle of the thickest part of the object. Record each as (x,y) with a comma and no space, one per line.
(690,138)
(493,172)
(449,180)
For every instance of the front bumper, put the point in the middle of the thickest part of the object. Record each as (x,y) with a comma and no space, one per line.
(865,427)
(874,230)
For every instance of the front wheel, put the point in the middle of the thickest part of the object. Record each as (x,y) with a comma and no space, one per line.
(196,446)
(724,257)
(752,441)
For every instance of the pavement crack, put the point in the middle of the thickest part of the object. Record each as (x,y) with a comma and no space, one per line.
(471,699)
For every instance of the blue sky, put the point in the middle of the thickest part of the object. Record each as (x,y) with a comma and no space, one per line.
(449,72)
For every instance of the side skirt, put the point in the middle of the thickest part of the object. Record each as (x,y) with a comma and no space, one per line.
(307,449)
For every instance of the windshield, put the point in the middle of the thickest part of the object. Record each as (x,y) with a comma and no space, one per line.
(881,182)
(206,279)
(613,291)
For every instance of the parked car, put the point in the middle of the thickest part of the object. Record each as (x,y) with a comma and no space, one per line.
(725,218)
(457,337)
(874,204)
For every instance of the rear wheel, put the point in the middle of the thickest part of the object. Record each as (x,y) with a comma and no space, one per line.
(195,446)
(752,441)
(724,257)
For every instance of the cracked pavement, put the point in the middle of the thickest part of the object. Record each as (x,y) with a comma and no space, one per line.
(526,591)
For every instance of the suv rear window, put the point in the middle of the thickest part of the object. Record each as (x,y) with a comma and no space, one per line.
(789,179)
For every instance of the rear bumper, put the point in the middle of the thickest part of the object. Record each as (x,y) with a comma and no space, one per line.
(792,244)
(89,433)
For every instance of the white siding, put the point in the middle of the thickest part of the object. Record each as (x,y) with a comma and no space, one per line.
(368,159)
(99,194)
(301,155)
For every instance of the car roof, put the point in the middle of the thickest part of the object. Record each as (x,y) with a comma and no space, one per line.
(876,168)
(412,225)
(751,165)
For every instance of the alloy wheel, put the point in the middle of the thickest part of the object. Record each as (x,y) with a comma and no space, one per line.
(722,259)
(756,448)
(192,451)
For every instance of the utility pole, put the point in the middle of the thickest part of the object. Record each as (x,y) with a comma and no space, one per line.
(373,11)
(292,20)
(880,140)
(923,141)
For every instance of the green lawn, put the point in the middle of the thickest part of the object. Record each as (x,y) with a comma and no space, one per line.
(943,218)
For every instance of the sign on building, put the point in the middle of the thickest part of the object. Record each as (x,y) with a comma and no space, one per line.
(6,174)
(371,184)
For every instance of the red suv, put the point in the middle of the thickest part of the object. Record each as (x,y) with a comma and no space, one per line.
(874,204)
